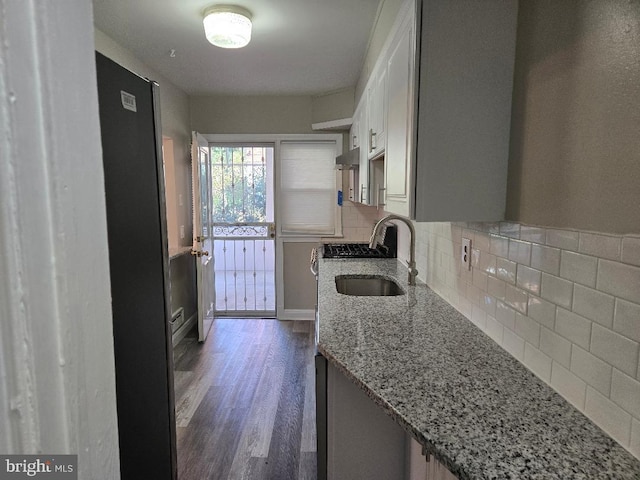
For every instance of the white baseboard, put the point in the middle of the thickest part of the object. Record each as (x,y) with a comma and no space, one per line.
(184,329)
(291,314)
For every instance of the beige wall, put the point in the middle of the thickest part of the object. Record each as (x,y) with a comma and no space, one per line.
(575,141)
(251,114)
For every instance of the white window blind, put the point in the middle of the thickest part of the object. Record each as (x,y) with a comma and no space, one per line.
(308,188)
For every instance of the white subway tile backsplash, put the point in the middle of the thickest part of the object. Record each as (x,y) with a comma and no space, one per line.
(603,246)
(619,279)
(499,246)
(481,241)
(615,349)
(516,298)
(528,279)
(568,385)
(488,304)
(631,250)
(591,369)
(520,252)
(565,239)
(542,312)
(494,329)
(557,347)
(625,391)
(557,290)
(546,259)
(511,230)
(627,319)
(579,268)
(496,287)
(480,279)
(487,263)
(573,327)
(538,362)
(565,303)
(634,445)
(528,329)
(594,305)
(506,270)
(479,317)
(506,315)
(532,234)
(608,416)
(513,344)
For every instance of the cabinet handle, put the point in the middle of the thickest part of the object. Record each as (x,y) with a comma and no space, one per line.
(355,141)
(372,140)
(362,196)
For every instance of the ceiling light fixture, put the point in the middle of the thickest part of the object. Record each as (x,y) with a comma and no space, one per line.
(227,26)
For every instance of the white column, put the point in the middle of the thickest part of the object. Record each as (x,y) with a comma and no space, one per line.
(57,376)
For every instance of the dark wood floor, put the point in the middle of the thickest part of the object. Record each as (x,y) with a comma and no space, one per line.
(245,401)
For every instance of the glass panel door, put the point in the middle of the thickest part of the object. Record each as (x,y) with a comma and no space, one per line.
(243,229)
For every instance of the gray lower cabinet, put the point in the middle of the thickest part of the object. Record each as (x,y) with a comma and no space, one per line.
(364,443)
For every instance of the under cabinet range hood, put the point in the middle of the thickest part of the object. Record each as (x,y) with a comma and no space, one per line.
(348,160)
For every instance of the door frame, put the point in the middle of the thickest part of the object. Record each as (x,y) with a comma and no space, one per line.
(276,140)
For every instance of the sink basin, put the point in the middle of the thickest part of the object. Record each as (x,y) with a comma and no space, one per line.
(371,286)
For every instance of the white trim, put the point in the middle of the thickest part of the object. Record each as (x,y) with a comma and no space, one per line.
(341,124)
(292,314)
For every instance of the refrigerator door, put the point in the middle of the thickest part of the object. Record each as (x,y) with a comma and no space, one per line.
(138,258)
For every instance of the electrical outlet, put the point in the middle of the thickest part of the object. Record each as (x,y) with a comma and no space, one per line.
(465,253)
(181,231)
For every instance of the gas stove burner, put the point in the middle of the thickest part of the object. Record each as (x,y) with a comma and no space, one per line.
(355,250)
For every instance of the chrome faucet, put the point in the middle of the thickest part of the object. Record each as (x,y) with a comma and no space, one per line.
(377,238)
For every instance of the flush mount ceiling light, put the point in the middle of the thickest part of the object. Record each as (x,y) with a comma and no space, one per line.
(227,26)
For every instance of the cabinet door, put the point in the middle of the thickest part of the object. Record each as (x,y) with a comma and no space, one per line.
(376,99)
(363,171)
(398,154)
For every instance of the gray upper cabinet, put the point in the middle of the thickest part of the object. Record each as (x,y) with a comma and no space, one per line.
(465,60)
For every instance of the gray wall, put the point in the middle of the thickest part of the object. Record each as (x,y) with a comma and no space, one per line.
(300,285)
(575,140)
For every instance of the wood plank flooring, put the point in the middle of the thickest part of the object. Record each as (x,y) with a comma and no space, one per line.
(245,401)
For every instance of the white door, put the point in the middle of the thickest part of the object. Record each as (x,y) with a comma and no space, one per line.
(202,233)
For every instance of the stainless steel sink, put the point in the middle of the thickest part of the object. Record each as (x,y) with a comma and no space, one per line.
(369,286)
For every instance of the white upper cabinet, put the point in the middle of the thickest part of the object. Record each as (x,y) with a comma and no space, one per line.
(376,102)
(465,61)
(400,111)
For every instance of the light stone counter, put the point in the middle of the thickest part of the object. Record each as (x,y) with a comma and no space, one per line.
(473,406)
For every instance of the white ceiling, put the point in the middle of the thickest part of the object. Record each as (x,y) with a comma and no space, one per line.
(298,47)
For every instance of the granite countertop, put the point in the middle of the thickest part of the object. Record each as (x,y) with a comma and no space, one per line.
(471,404)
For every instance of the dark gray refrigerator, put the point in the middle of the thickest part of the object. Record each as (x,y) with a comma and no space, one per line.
(138,259)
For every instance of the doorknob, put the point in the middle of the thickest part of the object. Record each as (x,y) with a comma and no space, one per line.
(199,254)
